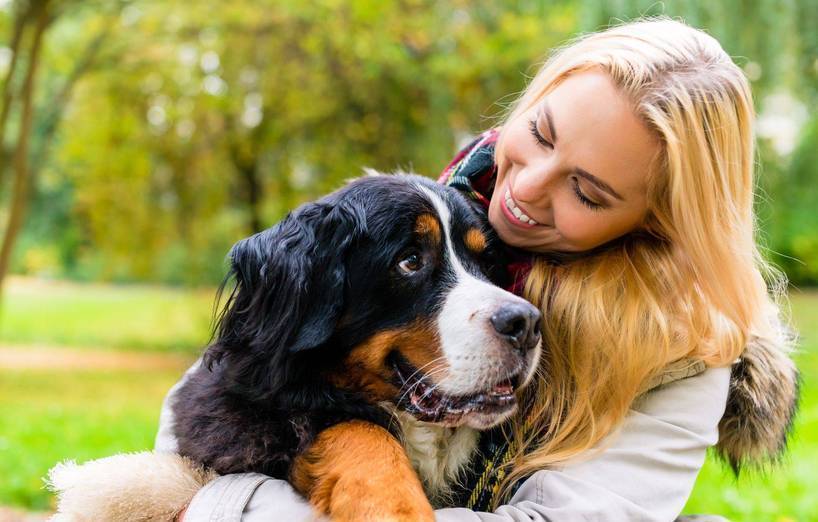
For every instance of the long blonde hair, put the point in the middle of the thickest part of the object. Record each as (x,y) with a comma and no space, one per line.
(691,285)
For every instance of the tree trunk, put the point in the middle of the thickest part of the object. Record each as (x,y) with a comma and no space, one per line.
(252,188)
(6,97)
(246,165)
(21,184)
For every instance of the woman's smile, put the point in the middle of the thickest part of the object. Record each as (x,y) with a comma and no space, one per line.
(515,215)
(573,169)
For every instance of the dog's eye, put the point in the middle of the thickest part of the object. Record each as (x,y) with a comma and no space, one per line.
(410,263)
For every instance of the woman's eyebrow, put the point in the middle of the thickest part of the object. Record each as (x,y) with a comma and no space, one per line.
(549,119)
(598,183)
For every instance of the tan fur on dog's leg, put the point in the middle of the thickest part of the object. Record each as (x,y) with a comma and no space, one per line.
(126,487)
(356,471)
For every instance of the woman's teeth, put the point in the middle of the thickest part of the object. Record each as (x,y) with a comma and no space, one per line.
(519,214)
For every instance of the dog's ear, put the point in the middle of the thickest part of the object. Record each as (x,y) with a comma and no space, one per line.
(289,290)
(322,258)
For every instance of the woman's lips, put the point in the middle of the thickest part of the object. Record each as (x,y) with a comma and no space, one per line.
(514,214)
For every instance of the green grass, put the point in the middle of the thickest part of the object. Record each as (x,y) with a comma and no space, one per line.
(785,493)
(49,416)
(105,316)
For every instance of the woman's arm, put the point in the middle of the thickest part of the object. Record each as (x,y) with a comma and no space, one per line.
(645,472)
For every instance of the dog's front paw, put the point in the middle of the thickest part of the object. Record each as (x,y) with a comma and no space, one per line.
(353,499)
(357,471)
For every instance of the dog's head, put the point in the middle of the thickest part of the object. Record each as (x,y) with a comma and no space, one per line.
(381,289)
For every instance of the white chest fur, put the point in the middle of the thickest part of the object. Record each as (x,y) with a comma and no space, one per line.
(438,454)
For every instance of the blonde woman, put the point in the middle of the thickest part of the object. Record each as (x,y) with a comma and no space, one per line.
(623,177)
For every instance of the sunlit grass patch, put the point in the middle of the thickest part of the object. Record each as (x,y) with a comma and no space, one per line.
(57,313)
(47,417)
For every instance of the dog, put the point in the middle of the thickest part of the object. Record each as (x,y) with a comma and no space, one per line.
(364,344)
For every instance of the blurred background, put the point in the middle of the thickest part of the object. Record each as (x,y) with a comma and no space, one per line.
(140,139)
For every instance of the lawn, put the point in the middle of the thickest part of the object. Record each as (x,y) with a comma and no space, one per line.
(134,317)
(50,415)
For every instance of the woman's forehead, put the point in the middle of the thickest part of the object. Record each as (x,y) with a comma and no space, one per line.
(598,129)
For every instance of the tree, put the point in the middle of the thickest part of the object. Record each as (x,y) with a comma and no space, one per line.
(35,125)
(32,20)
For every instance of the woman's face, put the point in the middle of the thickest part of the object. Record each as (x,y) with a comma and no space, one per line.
(576,169)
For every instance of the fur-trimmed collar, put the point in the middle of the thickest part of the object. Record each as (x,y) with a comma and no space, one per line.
(761,406)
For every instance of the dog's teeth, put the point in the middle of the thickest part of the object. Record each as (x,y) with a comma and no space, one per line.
(503,388)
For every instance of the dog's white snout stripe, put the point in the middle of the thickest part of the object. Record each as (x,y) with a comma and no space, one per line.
(475,353)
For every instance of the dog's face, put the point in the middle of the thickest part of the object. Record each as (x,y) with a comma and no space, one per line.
(383,289)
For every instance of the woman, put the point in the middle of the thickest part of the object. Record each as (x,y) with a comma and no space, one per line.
(624,176)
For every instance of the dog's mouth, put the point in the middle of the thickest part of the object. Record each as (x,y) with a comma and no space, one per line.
(423,400)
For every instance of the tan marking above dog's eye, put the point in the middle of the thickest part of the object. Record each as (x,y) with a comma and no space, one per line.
(475,240)
(428,225)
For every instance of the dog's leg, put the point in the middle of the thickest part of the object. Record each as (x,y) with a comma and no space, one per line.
(357,471)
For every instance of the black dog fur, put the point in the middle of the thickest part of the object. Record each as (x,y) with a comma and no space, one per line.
(307,291)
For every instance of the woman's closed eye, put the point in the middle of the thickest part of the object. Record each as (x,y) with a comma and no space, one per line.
(585,200)
(539,137)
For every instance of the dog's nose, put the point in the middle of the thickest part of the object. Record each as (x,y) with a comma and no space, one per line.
(519,324)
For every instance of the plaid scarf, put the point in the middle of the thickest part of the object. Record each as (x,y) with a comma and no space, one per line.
(474,172)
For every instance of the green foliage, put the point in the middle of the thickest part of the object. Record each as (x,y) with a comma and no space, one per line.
(195,127)
(194,130)
(794,223)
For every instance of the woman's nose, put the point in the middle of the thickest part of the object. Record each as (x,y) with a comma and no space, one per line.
(534,184)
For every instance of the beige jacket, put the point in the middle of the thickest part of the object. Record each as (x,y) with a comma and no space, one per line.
(644,473)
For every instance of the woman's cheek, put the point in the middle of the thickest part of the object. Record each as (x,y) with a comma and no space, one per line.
(581,231)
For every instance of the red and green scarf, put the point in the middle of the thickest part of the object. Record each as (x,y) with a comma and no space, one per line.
(473,172)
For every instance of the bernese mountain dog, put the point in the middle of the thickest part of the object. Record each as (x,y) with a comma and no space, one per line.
(365,338)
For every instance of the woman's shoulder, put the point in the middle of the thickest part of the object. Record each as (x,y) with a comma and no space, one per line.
(695,403)
(662,443)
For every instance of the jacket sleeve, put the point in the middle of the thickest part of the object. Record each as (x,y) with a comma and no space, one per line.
(644,472)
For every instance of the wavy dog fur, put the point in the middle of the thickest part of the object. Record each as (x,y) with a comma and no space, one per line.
(263,348)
